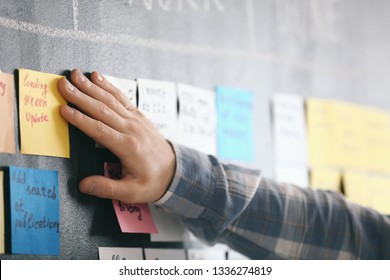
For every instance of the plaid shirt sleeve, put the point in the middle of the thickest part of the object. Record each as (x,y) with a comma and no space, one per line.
(264,219)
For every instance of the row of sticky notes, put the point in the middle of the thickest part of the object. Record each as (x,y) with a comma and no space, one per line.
(217,252)
(215,122)
(42,130)
(32,209)
(346,135)
(329,133)
(326,144)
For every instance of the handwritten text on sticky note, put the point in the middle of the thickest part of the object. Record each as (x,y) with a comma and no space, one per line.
(43,130)
(158,101)
(132,217)
(35,220)
(289,128)
(235,124)
(197,122)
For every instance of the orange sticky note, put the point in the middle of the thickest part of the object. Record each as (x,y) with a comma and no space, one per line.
(7,98)
(42,129)
(132,217)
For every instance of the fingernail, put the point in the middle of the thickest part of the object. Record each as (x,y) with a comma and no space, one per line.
(90,188)
(99,77)
(81,77)
(69,87)
(69,109)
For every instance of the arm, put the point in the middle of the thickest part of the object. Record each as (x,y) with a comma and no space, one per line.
(265,219)
(220,203)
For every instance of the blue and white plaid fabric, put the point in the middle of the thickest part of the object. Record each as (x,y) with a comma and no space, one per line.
(264,219)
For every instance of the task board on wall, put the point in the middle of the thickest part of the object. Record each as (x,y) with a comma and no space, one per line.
(333,49)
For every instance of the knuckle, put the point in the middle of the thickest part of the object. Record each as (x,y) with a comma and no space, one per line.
(133,126)
(103,109)
(101,130)
(138,114)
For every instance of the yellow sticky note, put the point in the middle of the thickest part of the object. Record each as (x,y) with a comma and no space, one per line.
(377,124)
(42,129)
(356,187)
(320,131)
(380,191)
(349,138)
(2,233)
(325,179)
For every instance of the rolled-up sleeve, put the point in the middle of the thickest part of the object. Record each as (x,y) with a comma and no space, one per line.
(264,219)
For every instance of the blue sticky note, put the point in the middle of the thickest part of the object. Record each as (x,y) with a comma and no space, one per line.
(35,219)
(235,124)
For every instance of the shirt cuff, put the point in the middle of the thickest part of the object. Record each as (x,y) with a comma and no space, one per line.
(187,190)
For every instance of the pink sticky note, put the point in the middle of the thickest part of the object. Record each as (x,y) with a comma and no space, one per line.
(134,217)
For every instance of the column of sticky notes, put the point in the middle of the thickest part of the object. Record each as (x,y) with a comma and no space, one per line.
(33,193)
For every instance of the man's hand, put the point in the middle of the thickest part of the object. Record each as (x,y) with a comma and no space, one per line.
(108,117)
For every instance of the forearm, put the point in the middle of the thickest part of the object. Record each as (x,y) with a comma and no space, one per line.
(265,219)
(296,223)
(208,195)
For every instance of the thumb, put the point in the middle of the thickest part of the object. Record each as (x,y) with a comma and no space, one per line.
(104,187)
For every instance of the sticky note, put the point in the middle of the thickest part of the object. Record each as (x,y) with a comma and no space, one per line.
(2,221)
(42,129)
(132,217)
(197,121)
(349,148)
(217,252)
(377,123)
(325,179)
(158,101)
(169,227)
(289,128)
(320,131)
(119,253)
(164,254)
(35,219)
(235,124)
(7,101)
(380,189)
(127,87)
(357,187)
(234,255)
(297,174)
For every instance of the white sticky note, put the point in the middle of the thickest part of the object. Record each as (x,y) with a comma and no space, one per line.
(289,129)
(128,87)
(197,121)
(169,227)
(164,254)
(158,101)
(119,253)
(297,174)
(217,252)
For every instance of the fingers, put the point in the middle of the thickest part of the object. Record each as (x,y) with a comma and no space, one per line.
(104,187)
(98,93)
(99,80)
(97,130)
(92,107)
